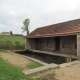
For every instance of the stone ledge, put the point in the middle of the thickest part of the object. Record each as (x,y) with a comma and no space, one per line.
(35,60)
(70,63)
(49,66)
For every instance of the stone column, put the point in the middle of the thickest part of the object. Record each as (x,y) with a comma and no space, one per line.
(68,59)
(25,44)
(78,47)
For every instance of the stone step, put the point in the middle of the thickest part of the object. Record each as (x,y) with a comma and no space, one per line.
(49,66)
(76,62)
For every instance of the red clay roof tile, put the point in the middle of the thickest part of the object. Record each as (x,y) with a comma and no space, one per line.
(69,27)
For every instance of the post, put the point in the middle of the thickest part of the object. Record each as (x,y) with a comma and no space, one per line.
(68,58)
(78,47)
(25,43)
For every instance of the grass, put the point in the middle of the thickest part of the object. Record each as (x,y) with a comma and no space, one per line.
(13,39)
(39,79)
(38,76)
(10,72)
(34,65)
(29,78)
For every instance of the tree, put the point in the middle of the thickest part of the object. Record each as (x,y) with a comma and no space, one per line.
(11,32)
(25,26)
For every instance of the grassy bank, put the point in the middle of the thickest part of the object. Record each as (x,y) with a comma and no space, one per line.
(34,65)
(10,72)
(11,42)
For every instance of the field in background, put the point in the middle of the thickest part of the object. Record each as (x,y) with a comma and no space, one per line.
(11,42)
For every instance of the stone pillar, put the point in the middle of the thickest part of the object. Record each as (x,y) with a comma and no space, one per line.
(78,47)
(25,44)
(68,59)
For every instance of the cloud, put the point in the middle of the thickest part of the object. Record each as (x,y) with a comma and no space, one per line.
(40,13)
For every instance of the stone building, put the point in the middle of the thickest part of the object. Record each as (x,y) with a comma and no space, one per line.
(62,39)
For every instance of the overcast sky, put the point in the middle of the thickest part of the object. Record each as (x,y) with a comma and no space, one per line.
(40,12)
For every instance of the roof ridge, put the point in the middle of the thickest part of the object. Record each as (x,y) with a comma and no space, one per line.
(59,23)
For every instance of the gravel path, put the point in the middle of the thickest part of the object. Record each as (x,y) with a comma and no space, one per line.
(68,73)
(15,59)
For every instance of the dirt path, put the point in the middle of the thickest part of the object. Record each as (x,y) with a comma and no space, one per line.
(68,73)
(71,72)
(15,59)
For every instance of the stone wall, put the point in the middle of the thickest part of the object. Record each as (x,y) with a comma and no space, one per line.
(47,44)
(30,44)
(68,44)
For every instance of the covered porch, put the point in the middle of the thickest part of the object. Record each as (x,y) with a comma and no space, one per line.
(65,46)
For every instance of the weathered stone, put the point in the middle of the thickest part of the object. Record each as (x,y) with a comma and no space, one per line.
(78,47)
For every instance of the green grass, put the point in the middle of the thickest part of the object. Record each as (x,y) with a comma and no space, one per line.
(13,39)
(10,72)
(39,79)
(43,75)
(34,65)
(32,78)
(39,76)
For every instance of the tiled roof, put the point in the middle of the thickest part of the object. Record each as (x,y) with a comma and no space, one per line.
(69,27)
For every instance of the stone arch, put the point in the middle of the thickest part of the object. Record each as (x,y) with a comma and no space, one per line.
(66,44)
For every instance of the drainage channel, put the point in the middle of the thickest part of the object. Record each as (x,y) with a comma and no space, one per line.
(44,57)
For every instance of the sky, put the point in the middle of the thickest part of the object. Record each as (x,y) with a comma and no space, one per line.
(40,12)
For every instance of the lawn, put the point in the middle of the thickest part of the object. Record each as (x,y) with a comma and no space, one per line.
(34,65)
(11,41)
(10,72)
